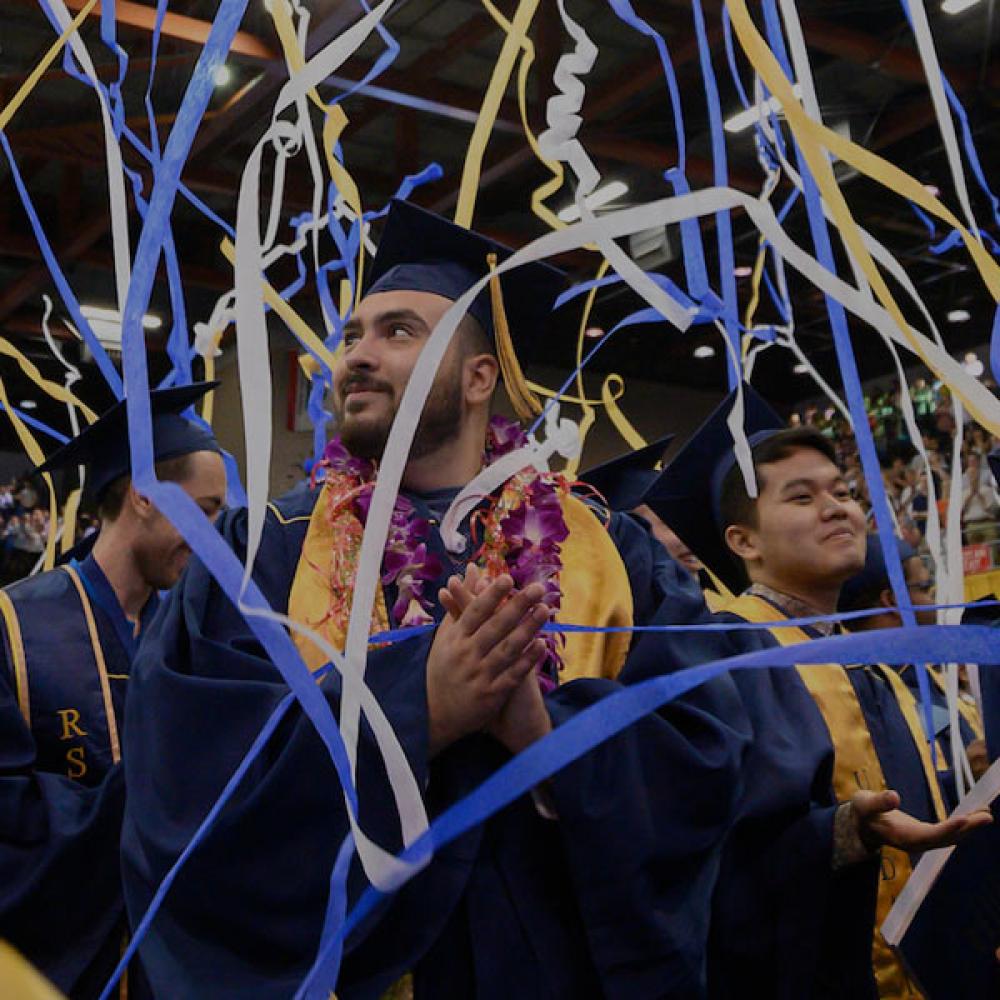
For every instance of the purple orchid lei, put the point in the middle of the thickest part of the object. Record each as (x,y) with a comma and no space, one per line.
(406,562)
(522,531)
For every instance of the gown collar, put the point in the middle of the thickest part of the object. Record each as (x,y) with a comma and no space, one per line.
(101,592)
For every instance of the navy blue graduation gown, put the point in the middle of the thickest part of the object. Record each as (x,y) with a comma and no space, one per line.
(61,794)
(610,900)
(784,924)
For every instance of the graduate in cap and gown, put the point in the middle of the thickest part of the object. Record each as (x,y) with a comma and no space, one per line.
(622,483)
(599,886)
(69,637)
(870,590)
(811,908)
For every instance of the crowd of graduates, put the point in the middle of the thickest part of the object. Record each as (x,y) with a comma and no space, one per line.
(746,837)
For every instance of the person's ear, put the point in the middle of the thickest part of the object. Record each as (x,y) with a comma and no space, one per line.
(480,372)
(140,505)
(743,542)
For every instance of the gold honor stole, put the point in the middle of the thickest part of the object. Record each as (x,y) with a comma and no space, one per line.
(594,583)
(36,680)
(856,766)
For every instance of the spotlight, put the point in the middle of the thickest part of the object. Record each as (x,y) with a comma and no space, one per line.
(602,196)
(222,75)
(28,404)
(743,271)
(801,369)
(959,316)
(957,6)
(594,332)
(704,351)
(750,116)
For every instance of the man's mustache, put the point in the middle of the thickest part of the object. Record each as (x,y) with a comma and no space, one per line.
(356,383)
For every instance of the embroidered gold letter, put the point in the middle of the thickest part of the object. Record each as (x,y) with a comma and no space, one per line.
(77,766)
(70,723)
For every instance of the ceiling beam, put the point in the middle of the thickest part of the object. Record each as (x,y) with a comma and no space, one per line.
(33,280)
(180,26)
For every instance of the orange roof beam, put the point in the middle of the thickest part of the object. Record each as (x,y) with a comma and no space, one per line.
(188,29)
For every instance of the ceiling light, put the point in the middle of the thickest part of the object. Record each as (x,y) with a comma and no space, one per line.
(106,324)
(222,75)
(957,6)
(933,190)
(594,332)
(743,271)
(704,351)
(750,116)
(28,404)
(801,369)
(604,195)
(959,316)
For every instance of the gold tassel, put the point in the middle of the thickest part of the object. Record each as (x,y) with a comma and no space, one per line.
(526,404)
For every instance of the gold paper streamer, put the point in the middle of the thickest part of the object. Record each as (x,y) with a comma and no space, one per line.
(812,137)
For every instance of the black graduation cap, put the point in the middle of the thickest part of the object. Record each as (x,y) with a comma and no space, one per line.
(875,573)
(103,446)
(423,252)
(623,481)
(686,494)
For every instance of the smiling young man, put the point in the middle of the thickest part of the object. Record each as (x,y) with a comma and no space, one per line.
(69,639)
(518,906)
(798,921)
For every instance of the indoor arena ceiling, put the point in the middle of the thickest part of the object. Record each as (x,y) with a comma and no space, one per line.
(869,80)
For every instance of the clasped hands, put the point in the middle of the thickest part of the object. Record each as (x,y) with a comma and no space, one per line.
(481,667)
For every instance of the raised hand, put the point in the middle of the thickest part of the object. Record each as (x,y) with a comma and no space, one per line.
(881,821)
(481,653)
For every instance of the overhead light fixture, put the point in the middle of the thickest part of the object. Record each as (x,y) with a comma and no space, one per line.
(750,116)
(704,351)
(933,190)
(107,324)
(222,75)
(594,332)
(801,369)
(598,198)
(957,6)
(958,316)
(28,404)
(743,271)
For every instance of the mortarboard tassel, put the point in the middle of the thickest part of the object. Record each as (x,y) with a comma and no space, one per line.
(526,404)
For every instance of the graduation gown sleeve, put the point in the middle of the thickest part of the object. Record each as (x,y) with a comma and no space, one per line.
(784,923)
(60,894)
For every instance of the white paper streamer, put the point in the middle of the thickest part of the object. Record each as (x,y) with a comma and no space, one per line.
(113,154)
(899,918)
(562,437)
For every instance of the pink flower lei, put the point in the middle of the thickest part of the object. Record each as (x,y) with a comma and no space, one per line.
(522,532)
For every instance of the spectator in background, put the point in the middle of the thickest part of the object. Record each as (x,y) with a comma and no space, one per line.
(25,495)
(979,505)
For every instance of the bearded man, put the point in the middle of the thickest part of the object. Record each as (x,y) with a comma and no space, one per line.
(598,884)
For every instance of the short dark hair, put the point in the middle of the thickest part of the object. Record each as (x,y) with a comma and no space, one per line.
(736,506)
(173,470)
(473,339)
